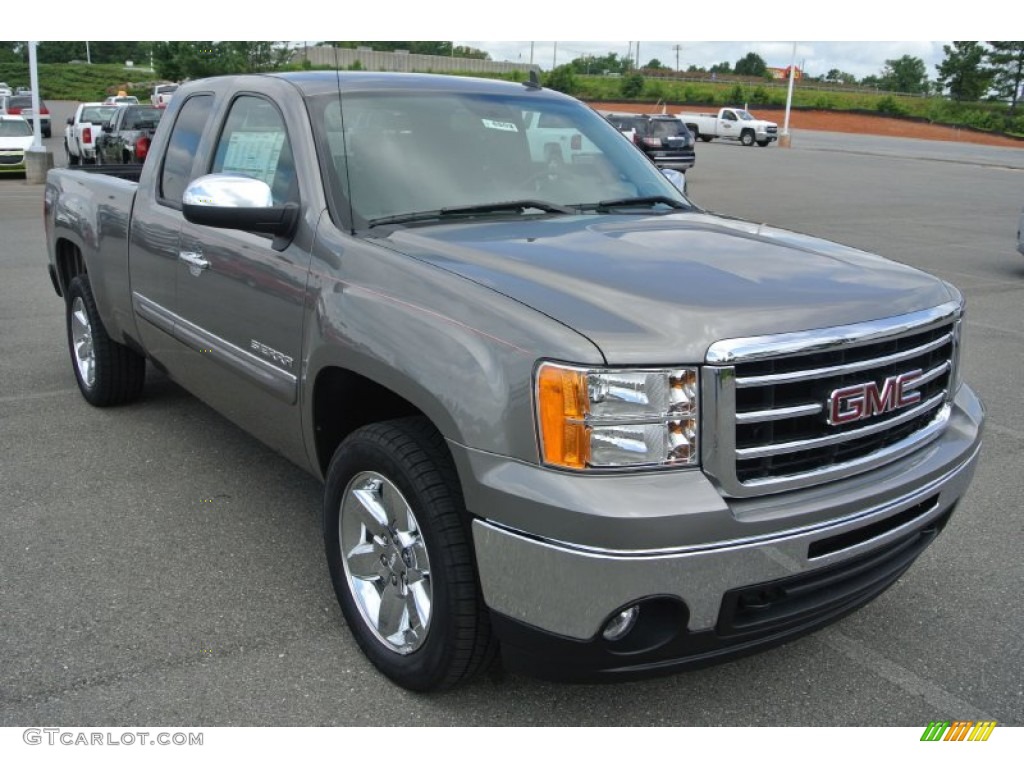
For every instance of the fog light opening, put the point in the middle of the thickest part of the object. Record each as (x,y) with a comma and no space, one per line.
(620,624)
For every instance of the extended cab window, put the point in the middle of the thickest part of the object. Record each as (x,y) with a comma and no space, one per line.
(255,143)
(182,147)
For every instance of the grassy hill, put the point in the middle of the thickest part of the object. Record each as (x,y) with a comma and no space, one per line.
(78,82)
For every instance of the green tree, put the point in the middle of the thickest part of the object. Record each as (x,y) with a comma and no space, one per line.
(10,51)
(598,65)
(907,74)
(177,60)
(562,79)
(1007,61)
(838,76)
(654,64)
(962,72)
(426,47)
(632,85)
(752,65)
(723,68)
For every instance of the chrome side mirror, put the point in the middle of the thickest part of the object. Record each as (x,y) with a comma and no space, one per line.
(228,190)
(234,201)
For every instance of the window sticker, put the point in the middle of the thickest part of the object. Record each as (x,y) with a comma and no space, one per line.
(254,153)
(499,125)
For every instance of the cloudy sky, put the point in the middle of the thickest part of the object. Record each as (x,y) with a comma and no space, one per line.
(580,27)
(816,58)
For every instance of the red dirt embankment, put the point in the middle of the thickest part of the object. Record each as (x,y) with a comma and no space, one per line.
(844,122)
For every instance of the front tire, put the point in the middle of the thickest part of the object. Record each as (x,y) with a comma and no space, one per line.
(108,373)
(400,556)
(764,142)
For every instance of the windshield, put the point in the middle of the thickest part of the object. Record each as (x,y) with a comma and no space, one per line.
(98,115)
(744,115)
(15,128)
(398,153)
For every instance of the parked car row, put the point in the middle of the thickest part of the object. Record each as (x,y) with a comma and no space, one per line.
(82,130)
(127,134)
(110,133)
(20,105)
(15,139)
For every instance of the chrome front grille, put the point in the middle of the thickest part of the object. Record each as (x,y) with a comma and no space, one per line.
(769,400)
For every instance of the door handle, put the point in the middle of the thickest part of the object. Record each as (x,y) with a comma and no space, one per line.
(196,262)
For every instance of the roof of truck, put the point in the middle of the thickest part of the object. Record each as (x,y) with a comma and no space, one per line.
(327,81)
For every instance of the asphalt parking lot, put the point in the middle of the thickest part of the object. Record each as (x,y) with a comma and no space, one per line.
(157,565)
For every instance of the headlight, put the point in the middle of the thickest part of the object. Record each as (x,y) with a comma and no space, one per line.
(601,418)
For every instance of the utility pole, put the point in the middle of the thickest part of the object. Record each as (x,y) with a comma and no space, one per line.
(88,58)
(554,56)
(676,47)
(638,54)
(531,53)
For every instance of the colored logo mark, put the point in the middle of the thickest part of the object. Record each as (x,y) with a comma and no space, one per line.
(958,730)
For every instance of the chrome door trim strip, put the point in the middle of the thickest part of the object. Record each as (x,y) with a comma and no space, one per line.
(281,384)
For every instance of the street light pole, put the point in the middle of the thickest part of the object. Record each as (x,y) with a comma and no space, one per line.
(785,140)
(88,57)
(38,159)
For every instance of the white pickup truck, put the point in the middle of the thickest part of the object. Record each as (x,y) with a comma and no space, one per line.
(162,94)
(555,140)
(82,130)
(731,123)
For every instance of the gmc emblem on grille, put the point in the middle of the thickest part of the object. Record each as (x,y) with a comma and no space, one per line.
(862,401)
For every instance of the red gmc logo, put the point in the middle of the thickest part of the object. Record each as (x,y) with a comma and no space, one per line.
(862,401)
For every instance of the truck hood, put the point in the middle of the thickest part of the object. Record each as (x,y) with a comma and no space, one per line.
(660,289)
(762,124)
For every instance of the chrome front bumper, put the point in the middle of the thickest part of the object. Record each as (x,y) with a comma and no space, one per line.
(572,590)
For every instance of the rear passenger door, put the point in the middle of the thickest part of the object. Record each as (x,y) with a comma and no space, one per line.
(240,300)
(156,228)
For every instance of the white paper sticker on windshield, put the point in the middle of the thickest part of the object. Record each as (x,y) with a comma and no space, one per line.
(498,125)
(254,153)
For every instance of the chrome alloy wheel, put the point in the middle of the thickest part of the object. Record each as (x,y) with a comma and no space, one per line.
(81,339)
(386,563)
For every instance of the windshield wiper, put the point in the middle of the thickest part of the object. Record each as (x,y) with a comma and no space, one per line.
(626,202)
(468,210)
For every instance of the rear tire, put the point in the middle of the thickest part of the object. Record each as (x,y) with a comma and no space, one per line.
(705,137)
(747,138)
(401,558)
(108,373)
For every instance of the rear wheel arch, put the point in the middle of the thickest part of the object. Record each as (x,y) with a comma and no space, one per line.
(70,263)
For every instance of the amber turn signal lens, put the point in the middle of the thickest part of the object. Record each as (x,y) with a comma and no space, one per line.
(562,401)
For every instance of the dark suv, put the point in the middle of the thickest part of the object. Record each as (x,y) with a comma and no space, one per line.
(664,138)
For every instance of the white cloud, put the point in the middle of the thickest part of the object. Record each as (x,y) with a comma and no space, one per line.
(816,58)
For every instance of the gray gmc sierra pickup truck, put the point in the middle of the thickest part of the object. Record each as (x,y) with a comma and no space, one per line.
(557,408)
